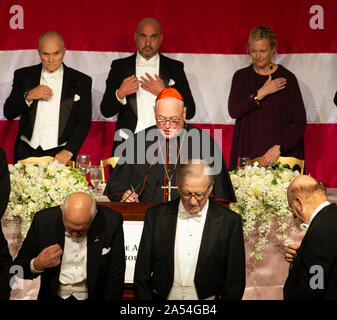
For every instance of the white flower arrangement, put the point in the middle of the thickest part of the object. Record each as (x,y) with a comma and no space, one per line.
(262,193)
(38,186)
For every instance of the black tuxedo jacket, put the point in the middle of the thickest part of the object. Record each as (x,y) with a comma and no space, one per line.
(318,248)
(105,272)
(5,185)
(5,263)
(220,268)
(75,116)
(123,68)
(5,257)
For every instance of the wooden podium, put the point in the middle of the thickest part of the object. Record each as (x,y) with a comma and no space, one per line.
(129,210)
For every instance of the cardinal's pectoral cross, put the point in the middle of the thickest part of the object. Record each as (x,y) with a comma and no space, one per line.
(169,187)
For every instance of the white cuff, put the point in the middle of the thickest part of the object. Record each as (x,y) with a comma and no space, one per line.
(29,103)
(122,101)
(32,269)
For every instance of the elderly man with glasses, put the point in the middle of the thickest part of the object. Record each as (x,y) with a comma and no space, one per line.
(146,169)
(191,248)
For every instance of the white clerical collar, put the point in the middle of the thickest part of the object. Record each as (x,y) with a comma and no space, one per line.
(57,74)
(152,61)
(183,211)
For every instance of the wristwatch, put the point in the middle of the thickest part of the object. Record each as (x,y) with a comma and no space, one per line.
(255,99)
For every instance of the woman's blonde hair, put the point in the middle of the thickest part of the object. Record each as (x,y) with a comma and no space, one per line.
(263,32)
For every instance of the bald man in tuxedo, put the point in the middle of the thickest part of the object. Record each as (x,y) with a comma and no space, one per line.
(53,102)
(134,82)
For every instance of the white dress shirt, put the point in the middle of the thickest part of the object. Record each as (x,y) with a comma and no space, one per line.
(73,274)
(186,251)
(145,99)
(46,126)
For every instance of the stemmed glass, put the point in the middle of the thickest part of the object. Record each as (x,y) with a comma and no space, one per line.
(95,176)
(242,162)
(83,162)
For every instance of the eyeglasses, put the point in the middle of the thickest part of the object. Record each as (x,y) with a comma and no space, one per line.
(197,195)
(173,122)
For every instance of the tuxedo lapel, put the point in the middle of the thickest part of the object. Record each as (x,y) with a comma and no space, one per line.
(164,72)
(130,70)
(168,231)
(32,80)
(209,235)
(69,87)
(59,235)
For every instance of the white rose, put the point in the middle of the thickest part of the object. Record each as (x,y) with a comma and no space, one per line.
(46,183)
(52,170)
(43,164)
(64,183)
(30,169)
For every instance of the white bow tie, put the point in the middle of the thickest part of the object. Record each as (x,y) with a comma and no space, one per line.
(51,76)
(185,215)
(146,63)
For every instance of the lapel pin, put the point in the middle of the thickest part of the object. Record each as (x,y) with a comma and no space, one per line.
(96,240)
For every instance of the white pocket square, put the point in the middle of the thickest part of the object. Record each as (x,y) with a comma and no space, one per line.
(171,83)
(77,97)
(105,251)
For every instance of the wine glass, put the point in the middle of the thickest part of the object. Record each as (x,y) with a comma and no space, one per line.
(242,162)
(83,162)
(95,176)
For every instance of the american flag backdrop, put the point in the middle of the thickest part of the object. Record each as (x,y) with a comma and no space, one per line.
(210,37)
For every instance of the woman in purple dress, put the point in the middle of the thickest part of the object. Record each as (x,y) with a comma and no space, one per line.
(266,102)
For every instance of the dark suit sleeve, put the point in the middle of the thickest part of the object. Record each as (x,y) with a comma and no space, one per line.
(116,270)
(83,116)
(335,99)
(5,263)
(15,104)
(110,105)
(181,84)
(316,253)
(29,250)
(4,182)
(143,268)
(235,269)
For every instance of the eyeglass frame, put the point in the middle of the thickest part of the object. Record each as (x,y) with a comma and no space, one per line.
(199,197)
(163,121)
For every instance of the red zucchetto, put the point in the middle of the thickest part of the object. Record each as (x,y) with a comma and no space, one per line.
(169,93)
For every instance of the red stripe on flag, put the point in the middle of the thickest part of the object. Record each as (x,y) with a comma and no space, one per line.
(214,26)
(320,145)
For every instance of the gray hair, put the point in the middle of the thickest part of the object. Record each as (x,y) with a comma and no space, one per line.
(50,34)
(181,102)
(188,169)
